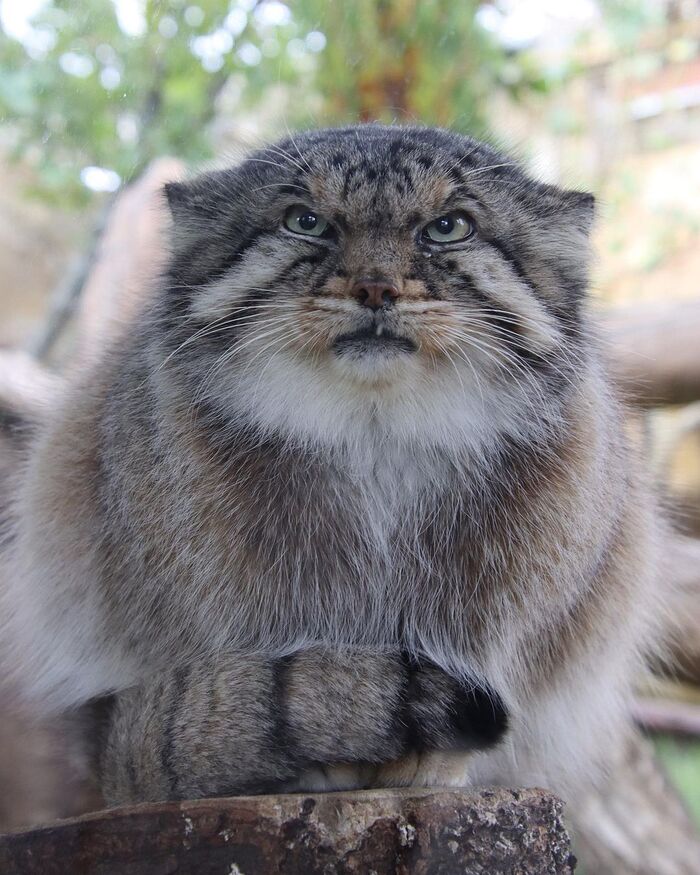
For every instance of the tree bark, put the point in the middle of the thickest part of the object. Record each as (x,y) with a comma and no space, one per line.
(654,351)
(493,832)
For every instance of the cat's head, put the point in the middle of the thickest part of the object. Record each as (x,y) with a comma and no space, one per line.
(407,273)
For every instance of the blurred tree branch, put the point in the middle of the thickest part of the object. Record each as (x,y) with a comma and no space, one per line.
(655,351)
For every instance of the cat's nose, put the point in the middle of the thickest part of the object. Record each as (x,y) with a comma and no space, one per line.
(375,294)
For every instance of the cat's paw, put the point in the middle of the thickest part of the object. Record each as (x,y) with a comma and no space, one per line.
(433,768)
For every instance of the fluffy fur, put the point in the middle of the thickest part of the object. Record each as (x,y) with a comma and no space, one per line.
(240,477)
(234,725)
(44,772)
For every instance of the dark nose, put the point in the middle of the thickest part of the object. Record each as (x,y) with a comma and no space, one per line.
(375,294)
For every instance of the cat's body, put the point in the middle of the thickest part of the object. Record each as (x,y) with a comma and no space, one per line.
(364,438)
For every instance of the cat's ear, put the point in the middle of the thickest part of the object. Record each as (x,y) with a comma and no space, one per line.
(176,194)
(199,206)
(189,201)
(577,208)
(191,209)
(581,206)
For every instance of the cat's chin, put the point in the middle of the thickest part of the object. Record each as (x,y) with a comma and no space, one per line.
(372,341)
(374,361)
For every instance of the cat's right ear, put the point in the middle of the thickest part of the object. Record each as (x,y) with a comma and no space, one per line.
(176,196)
(189,209)
(187,202)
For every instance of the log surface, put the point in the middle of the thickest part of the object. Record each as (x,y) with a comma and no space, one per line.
(488,832)
(654,350)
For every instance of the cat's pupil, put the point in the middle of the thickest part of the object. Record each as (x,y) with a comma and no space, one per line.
(308,221)
(445,225)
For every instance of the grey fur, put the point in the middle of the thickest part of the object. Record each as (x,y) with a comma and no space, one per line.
(244,725)
(232,480)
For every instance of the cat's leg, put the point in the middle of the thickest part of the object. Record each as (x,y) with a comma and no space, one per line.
(447,721)
(240,724)
(313,721)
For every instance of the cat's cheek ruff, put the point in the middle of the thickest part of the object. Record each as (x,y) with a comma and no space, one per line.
(292,384)
(321,404)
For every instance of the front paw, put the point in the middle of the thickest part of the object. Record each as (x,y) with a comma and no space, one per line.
(443,713)
(432,768)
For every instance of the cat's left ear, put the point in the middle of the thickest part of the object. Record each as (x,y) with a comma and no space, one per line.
(576,207)
(581,205)
(189,202)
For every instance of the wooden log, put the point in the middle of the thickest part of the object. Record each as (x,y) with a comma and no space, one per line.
(398,832)
(654,350)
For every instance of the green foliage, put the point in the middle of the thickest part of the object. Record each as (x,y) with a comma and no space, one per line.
(97,95)
(628,19)
(408,59)
(681,757)
(86,91)
(412,60)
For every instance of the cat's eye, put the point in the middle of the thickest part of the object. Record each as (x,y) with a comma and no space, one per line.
(449,228)
(304,220)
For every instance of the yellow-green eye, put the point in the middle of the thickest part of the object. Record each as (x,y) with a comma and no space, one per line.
(304,220)
(449,228)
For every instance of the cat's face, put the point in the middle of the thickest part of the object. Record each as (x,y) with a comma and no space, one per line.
(377,263)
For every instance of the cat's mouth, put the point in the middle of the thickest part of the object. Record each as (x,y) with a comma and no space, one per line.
(372,338)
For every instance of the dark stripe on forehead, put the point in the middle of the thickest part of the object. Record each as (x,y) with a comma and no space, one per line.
(348,183)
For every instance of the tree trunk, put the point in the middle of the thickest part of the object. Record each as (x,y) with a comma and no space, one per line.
(654,350)
(493,832)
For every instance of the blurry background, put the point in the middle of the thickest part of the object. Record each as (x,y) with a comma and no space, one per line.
(601,94)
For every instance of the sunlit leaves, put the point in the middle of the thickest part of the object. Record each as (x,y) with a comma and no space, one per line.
(112,83)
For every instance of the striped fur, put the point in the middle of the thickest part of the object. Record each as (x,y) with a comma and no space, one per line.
(235,725)
(235,479)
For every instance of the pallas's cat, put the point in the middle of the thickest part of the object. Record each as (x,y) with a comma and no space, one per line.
(365,414)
